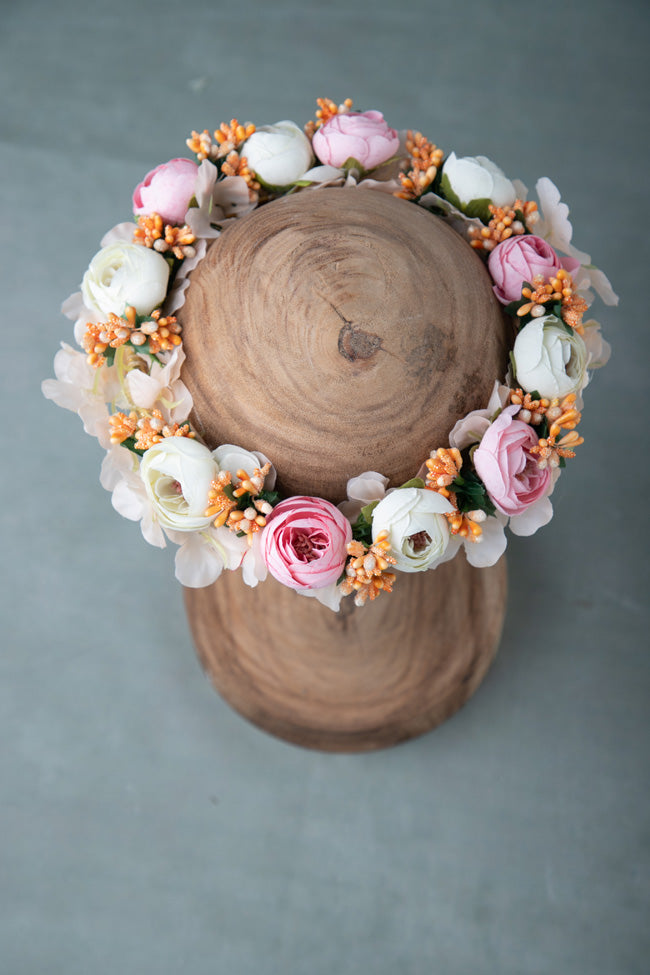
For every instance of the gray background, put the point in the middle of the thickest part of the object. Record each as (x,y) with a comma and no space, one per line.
(144,827)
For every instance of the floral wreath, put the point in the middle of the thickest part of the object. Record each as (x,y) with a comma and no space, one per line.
(220,506)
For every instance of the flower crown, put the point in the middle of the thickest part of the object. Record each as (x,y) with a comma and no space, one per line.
(220,506)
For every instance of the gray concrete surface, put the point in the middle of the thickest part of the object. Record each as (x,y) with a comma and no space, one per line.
(144,827)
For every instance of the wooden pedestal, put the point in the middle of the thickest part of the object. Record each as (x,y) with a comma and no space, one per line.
(362,679)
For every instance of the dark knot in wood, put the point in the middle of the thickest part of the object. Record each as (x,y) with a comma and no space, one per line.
(355,344)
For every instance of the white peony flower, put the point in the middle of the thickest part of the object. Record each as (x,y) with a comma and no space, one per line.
(125,274)
(278,154)
(478,178)
(418,530)
(548,359)
(177,473)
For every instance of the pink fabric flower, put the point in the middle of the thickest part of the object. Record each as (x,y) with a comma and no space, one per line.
(519,259)
(304,543)
(506,466)
(363,136)
(167,190)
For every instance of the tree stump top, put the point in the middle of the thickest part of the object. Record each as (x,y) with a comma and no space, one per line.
(339,331)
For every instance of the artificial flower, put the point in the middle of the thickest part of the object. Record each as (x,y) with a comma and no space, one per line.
(177,474)
(415,521)
(166,190)
(362,136)
(473,178)
(304,543)
(278,154)
(125,274)
(509,471)
(549,359)
(518,260)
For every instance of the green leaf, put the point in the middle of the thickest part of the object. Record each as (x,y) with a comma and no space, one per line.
(270,496)
(362,528)
(470,491)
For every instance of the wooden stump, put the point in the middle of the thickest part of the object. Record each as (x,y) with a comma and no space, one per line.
(340,331)
(362,679)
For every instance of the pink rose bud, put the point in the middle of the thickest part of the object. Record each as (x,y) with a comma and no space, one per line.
(167,190)
(304,543)
(363,136)
(506,466)
(520,259)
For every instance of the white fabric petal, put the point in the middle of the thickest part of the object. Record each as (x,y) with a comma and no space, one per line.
(492,545)
(534,517)
(329,596)
(198,561)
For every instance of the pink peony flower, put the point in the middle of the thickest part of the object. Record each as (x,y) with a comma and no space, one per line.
(519,259)
(506,466)
(363,136)
(304,543)
(167,190)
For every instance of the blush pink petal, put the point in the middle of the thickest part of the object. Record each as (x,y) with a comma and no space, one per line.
(507,468)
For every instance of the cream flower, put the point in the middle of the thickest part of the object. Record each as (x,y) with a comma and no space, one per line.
(548,359)
(125,274)
(177,473)
(478,178)
(418,530)
(278,154)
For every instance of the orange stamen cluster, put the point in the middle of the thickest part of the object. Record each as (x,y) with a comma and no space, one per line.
(326,110)
(424,160)
(162,333)
(558,287)
(531,410)
(151,429)
(366,572)
(229,136)
(122,426)
(250,520)
(504,223)
(561,415)
(153,232)
(444,466)
(236,165)
(98,337)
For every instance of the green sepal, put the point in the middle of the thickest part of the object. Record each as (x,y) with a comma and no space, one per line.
(475,208)
(229,491)
(415,482)
(352,163)
(562,462)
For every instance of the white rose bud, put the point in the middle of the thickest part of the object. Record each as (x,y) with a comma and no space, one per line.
(478,178)
(278,154)
(177,473)
(419,532)
(125,274)
(548,359)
